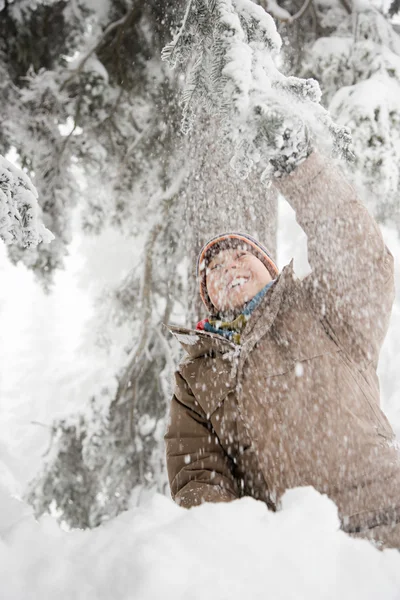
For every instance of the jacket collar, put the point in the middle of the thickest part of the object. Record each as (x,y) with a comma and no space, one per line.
(265,313)
(198,343)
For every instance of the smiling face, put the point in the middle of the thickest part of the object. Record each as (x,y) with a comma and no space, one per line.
(234,276)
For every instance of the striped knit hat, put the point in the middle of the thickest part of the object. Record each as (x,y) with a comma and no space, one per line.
(222,242)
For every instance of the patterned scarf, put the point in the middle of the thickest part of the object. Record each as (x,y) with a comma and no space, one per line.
(232,330)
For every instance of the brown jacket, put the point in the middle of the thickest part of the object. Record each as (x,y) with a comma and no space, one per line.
(297,403)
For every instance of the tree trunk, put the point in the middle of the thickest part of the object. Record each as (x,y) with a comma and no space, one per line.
(218,201)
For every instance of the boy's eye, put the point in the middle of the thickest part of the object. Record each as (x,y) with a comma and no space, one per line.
(215,267)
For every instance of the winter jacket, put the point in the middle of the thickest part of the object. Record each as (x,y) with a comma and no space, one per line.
(297,403)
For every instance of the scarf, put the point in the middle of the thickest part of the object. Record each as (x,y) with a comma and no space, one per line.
(232,330)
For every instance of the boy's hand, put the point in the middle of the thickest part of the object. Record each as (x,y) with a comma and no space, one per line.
(274,138)
(283,139)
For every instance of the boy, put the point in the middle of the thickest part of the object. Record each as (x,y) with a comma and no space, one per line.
(279,388)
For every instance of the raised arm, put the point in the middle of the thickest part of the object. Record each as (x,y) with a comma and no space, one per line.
(351,284)
(198,468)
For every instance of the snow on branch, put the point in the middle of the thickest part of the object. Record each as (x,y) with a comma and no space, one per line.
(228,49)
(19,210)
(282,14)
(273,8)
(78,66)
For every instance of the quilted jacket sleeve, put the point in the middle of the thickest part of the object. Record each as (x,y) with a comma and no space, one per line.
(352,282)
(198,468)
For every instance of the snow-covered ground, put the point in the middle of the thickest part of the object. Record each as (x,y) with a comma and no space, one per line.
(50,366)
(215,552)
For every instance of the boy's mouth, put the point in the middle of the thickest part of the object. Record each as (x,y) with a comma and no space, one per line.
(237,282)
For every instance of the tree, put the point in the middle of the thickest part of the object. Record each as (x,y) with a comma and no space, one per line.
(88,99)
(99,101)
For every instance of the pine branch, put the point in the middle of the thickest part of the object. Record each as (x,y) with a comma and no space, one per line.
(346,5)
(394,8)
(169,51)
(233,73)
(119,24)
(76,124)
(301,12)
(137,352)
(189,93)
(136,355)
(20,222)
(41,425)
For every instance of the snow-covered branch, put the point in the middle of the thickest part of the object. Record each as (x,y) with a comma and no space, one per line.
(146,307)
(346,5)
(273,8)
(20,221)
(282,14)
(229,50)
(301,11)
(358,66)
(119,23)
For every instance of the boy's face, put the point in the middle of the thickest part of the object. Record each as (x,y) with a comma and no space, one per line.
(234,276)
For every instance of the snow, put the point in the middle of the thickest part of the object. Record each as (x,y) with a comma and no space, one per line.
(146,425)
(247,8)
(20,215)
(332,46)
(264,99)
(371,107)
(226,551)
(157,549)
(51,362)
(238,69)
(299,369)
(364,97)
(260,98)
(277,11)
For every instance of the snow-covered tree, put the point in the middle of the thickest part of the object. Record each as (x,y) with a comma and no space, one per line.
(94,113)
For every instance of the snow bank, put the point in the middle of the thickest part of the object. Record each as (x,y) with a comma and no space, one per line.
(215,551)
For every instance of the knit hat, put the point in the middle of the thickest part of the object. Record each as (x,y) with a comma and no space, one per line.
(222,242)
